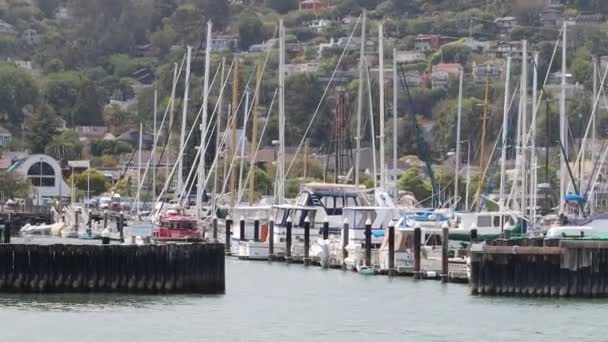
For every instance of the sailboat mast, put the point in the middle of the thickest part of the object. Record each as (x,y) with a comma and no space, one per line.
(381,87)
(171,115)
(532,186)
(218,138)
(201,165)
(242,142)
(458,138)
(505,132)
(152,153)
(281,161)
(141,129)
(395,113)
(562,121)
(233,121)
(360,100)
(524,125)
(254,132)
(180,165)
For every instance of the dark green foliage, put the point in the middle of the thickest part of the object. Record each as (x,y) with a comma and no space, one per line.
(17,89)
(41,129)
(282,6)
(251,30)
(109,147)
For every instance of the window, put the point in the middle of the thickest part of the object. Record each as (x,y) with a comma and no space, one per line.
(484,221)
(41,174)
(351,201)
(328,202)
(496,221)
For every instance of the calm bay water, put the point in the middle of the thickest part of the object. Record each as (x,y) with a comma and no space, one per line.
(277,302)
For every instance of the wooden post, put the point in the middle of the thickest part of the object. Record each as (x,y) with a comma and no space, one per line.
(473,235)
(391,248)
(417,241)
(288,240)
(242,229)
(90,222)
(227,240)
(325,230)
(368,242)
(7,230)
(256,229)
(271,239)
(345,232)
(214,223)
(444,254)
(105,219)
(306,259)
(76,218)
(121,226)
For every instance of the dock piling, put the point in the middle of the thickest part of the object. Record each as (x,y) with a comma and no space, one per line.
(444,254)
(227,237)
(306,259)
(325,229)
(391,248)
(121,226)
(345,229)
(105,219)
(242,229)
(368,242)
(417,241)
(288,240)
(214,223)
(7,230)
(270,239)
(256,229)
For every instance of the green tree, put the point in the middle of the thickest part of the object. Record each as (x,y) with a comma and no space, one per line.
(412,181)
(91,180)
(282,6)
(41,129)
(117,119)
(14,186)
(61,92)
(251,30)
(88,108)
(217,11)
(17,89)
(65,146)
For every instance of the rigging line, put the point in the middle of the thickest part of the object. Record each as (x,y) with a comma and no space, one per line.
(350,38)
(248,111)
(251,168)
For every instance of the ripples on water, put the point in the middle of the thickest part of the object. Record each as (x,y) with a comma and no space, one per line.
(278,302)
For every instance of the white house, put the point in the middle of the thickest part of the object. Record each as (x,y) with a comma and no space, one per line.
(5,137)
(44,173)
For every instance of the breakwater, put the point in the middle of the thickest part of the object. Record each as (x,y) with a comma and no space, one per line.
(171,268)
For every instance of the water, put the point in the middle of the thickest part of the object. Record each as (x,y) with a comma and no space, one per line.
(278,302)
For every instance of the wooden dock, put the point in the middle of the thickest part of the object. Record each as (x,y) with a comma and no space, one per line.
(538,267)
(171,268)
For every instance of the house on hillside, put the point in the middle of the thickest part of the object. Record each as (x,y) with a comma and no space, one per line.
(589,19)
(132,136)
(452,69)
(440,79)
(30,37)
(314,6)
(405,57)
(505,26)
(5,137)
(318,25)
(6,28)
(503,49)
(90,133)
(429,42)
(224,43)
(302,68)
(488,71)
(551,17)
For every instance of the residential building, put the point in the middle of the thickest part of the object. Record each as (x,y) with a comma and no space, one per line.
(488,71)
(132,136)
(312,5)
(90,133)
(77,167)
(5,137)
(318,25)
(440,79)
(452,69)
(551,17)
(30,37)
(302,68)
(474,44)
(505,26)
(6,28)
(429,42)
(409,57)
(219,44)
(503,49)
(589,19)
(44,172)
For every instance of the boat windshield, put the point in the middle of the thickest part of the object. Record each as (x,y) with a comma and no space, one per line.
(179,225)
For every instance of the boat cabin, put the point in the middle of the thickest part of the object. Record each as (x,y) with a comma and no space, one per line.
(486,222)
(176,225)
(331,199)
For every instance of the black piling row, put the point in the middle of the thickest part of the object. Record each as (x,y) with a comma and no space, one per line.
(541,268)
(188,268)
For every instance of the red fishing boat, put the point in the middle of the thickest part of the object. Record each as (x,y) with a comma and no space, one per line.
(176,225)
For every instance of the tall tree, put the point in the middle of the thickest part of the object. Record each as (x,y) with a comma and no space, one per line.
(17,89)
(251,30)
(41,129)
(65,146)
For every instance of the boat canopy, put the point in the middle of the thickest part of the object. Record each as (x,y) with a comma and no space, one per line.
(575,198)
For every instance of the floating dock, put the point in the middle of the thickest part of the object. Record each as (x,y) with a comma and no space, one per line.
(171,268)
(538,267)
